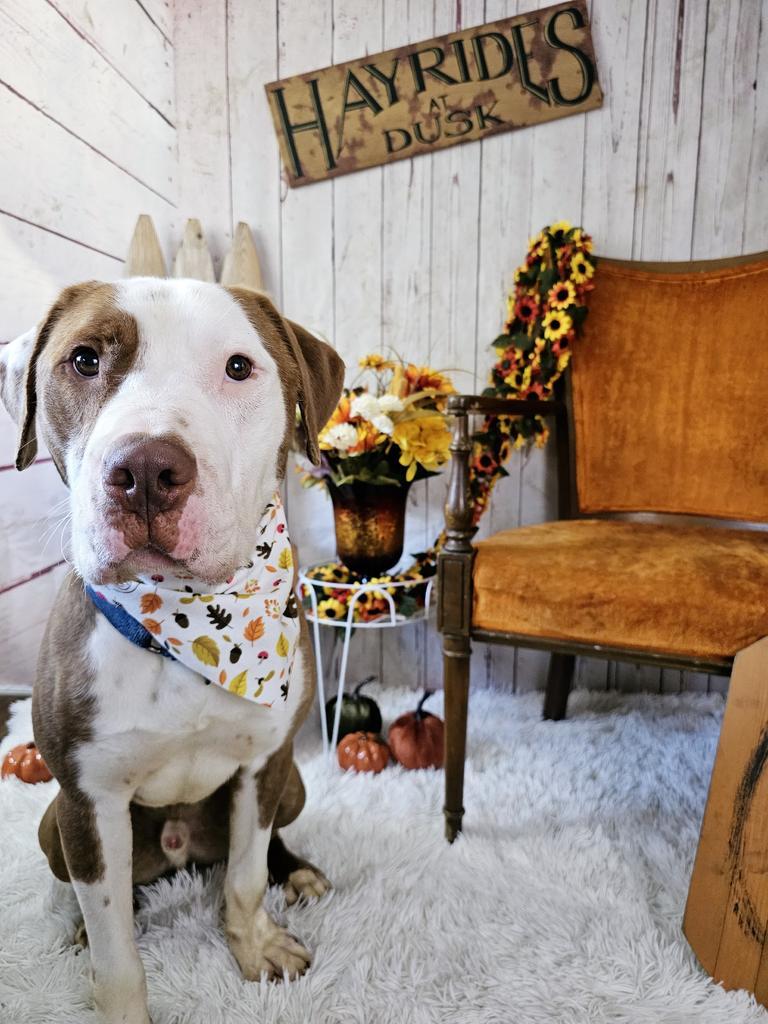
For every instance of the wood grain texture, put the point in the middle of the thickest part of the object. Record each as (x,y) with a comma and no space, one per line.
(75,192)
(145,256)
(726,917)
(131,43)
(58,71)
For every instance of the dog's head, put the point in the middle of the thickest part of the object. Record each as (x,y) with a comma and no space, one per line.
(168,408)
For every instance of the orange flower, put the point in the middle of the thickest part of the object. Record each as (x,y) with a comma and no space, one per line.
(368,437)
(424,378)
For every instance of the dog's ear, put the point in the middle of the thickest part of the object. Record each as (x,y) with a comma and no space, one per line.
(318,367)
(18,373)
(322,378)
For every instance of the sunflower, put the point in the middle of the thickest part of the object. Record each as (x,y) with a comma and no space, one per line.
(561,295)
(581,269)
(561,227)
(556,324)
(331,609)
(484,463)
(527,308)
(583,240)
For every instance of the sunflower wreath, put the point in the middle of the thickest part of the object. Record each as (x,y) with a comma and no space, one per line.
(545,313)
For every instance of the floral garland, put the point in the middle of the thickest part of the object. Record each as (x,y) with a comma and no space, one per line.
(545,314)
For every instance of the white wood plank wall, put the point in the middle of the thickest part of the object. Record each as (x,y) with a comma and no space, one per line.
(87,109)
(417,256)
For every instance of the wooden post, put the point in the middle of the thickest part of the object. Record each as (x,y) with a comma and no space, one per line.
(241,264)
(193,258)
(145,257)
(454,619)
(726,917)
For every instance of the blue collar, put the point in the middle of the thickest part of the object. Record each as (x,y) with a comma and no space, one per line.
(125,624)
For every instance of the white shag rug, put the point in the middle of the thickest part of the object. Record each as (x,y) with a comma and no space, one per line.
(561,902)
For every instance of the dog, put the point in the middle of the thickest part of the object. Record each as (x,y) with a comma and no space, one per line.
(168,408)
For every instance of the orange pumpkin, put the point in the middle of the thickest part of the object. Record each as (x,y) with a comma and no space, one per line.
(363,751)
(26,762)
(417,738)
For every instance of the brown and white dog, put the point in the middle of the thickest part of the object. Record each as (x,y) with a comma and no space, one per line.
(190,390)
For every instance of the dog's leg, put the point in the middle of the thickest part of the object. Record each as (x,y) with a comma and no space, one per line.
(259,945)
(96,837)
(299,878)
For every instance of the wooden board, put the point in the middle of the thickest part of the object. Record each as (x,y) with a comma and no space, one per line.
(426,96)
(726,917)
(59,72)
(145,257)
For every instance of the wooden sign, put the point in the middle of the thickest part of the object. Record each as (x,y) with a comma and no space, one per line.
(457,88)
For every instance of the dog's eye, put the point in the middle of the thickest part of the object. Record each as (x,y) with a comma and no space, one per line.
(86,361)
(239,367)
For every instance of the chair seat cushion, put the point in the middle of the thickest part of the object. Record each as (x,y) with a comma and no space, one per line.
(695,591)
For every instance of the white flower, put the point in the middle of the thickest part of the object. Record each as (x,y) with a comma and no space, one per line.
(366,406)
(383,424)
(342,436)
(391,403)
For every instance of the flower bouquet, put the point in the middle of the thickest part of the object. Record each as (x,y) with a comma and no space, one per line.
(382,436)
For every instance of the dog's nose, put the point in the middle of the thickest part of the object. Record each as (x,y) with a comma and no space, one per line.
(149,475)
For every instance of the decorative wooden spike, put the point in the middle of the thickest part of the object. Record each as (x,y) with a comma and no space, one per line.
(193,258)
(241,264)
(145,257)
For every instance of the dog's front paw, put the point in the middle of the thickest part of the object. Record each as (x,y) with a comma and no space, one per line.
(271,952)
(305,883)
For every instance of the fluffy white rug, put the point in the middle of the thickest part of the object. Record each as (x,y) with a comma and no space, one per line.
(561,903)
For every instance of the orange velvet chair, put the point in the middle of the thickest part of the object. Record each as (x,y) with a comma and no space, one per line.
(666,412)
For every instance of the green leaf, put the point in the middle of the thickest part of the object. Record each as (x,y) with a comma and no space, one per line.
(206,649)
(502,341)
(579,314)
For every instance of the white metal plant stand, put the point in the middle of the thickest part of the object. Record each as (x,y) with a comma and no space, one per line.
(308,586)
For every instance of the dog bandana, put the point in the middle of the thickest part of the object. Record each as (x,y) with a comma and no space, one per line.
(242,636)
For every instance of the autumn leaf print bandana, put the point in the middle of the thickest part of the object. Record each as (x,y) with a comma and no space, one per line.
(241,636)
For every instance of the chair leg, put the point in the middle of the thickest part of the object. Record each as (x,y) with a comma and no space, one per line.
(559,682)
(456,652)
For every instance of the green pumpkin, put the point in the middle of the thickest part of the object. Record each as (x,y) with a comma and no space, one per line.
(359,713)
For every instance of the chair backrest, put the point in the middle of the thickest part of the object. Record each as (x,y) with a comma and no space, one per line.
(670,389)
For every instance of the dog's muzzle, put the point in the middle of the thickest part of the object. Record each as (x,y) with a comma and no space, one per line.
(147,481)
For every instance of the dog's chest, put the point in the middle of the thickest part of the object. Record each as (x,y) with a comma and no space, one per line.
(166,736)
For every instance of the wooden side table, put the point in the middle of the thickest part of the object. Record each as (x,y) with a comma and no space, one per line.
(726,917)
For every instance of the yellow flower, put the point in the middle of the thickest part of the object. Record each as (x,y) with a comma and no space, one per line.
(581,269)
(423,441)
(560,225)
(373,361)
(582,240)
(561,295)
(556,324)
(331,609)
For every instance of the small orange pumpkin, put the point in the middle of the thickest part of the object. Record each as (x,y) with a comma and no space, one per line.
(417,738)
(363,751)
(26,762)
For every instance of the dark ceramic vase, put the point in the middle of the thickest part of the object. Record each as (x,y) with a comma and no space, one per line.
(370,523)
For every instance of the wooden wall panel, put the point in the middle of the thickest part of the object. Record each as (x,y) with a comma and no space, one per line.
(146,64)
(46,60)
